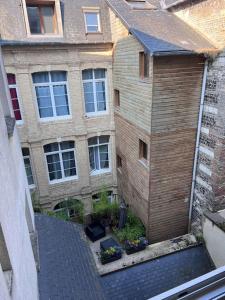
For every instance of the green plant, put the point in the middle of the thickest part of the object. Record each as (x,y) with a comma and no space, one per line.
(133,230)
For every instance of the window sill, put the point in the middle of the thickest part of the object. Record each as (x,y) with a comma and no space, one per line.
(54,119)
(94,33)
(64,180)
(96,115)
(100,172)
(19,123)
(40,36)
(144,163)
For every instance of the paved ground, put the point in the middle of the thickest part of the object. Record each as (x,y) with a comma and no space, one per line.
(68,271)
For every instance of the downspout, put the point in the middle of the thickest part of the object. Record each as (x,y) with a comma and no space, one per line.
(197,142)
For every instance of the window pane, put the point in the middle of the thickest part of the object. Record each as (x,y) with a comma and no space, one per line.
(25,151)
(92,22)
(93,156)
(99,73)
(62,111)
(59,90)
(47,14)
(45,112)
(87,74)
(100,95)
(93,141)
(51,147)
(43,91)
(57,76)
(92,29)
(34,19)
(11,78)
(15,104)
(28,170)
(53,158)
(67,145)
(104,157)
(103,139)
(89,97)
(55,175)
(40,77)
(13,93)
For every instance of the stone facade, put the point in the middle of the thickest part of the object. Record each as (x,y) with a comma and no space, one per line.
(18,273)
(208,17)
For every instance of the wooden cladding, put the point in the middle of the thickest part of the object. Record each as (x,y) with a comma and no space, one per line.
(143,65)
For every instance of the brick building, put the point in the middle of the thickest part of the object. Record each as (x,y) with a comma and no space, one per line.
(107,93)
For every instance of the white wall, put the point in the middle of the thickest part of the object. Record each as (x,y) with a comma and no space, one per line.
(215,241)
(13,190)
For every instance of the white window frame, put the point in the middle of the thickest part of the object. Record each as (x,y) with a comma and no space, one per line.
(105,170)
(58,20)
(94,81)
(97,12)
(15,86)
(31,186)
(64,178)
(50,84)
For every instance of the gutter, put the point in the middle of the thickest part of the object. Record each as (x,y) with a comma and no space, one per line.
(197,143)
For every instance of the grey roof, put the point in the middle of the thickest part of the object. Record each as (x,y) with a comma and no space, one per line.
(67,268)
(170,3)
(159,31)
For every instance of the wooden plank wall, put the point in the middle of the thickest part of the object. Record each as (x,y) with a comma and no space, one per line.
(176,96)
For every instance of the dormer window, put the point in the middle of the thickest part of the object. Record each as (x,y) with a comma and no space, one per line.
(43,17)
(140,4)
(92,21)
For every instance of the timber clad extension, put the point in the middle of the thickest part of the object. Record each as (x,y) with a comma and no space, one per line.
(122,84)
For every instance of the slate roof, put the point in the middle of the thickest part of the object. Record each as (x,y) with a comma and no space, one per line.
(160,31)
(67,268)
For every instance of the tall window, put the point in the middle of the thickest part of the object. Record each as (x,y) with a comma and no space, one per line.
(143,65)
(94,84)
(51,92)
(14,97)
(42,17)
(99,154)
(60,159)
(92,22)
(28,168)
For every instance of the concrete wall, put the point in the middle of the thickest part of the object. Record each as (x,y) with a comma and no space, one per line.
(214,238)
(14,198)
(35,133)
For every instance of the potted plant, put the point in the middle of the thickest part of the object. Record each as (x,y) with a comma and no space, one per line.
(132,246)
(110,255)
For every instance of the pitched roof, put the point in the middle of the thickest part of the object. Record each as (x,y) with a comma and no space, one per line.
(159,31)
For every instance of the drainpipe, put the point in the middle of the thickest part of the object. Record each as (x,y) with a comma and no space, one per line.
(197,142)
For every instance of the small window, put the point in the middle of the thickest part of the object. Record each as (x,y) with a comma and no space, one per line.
(143,65)
(143,150)
(60,158)
(92,22)
(118,161)
(42,18)
(14,97)
(117,97)
(52,94)
(140,4)
(28,167)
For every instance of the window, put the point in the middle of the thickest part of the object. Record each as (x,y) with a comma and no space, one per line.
(117,97)
(28,168)
(94,84)
(92,22)
(51,92)
(118,161)
(99,154)
(14,97)
(143,150)
(72,208)
(42,17)
(143,65)
(140,4)
(60,159)
(97,197)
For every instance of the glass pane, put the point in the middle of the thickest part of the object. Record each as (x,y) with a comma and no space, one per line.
(67,145)
(59,90)
(104,164)
(54,167)
(91,18)
(99,73)
(103,139)
(25,151)
(89,97)
(89,107)
(40,77)
(53,158)
(34,19)
(61,101)
(15,105)
(58,76)
(103,150)
(13,93)
(62,111)
(87,74)
(17,115)
(92,29)
(93,141)
(30,179)
(45,112)
(51,147)
(101,106)
(70,172)
(11,78)
(42,91)
(93,156)
(55,175)
(69,164)
(47,14)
